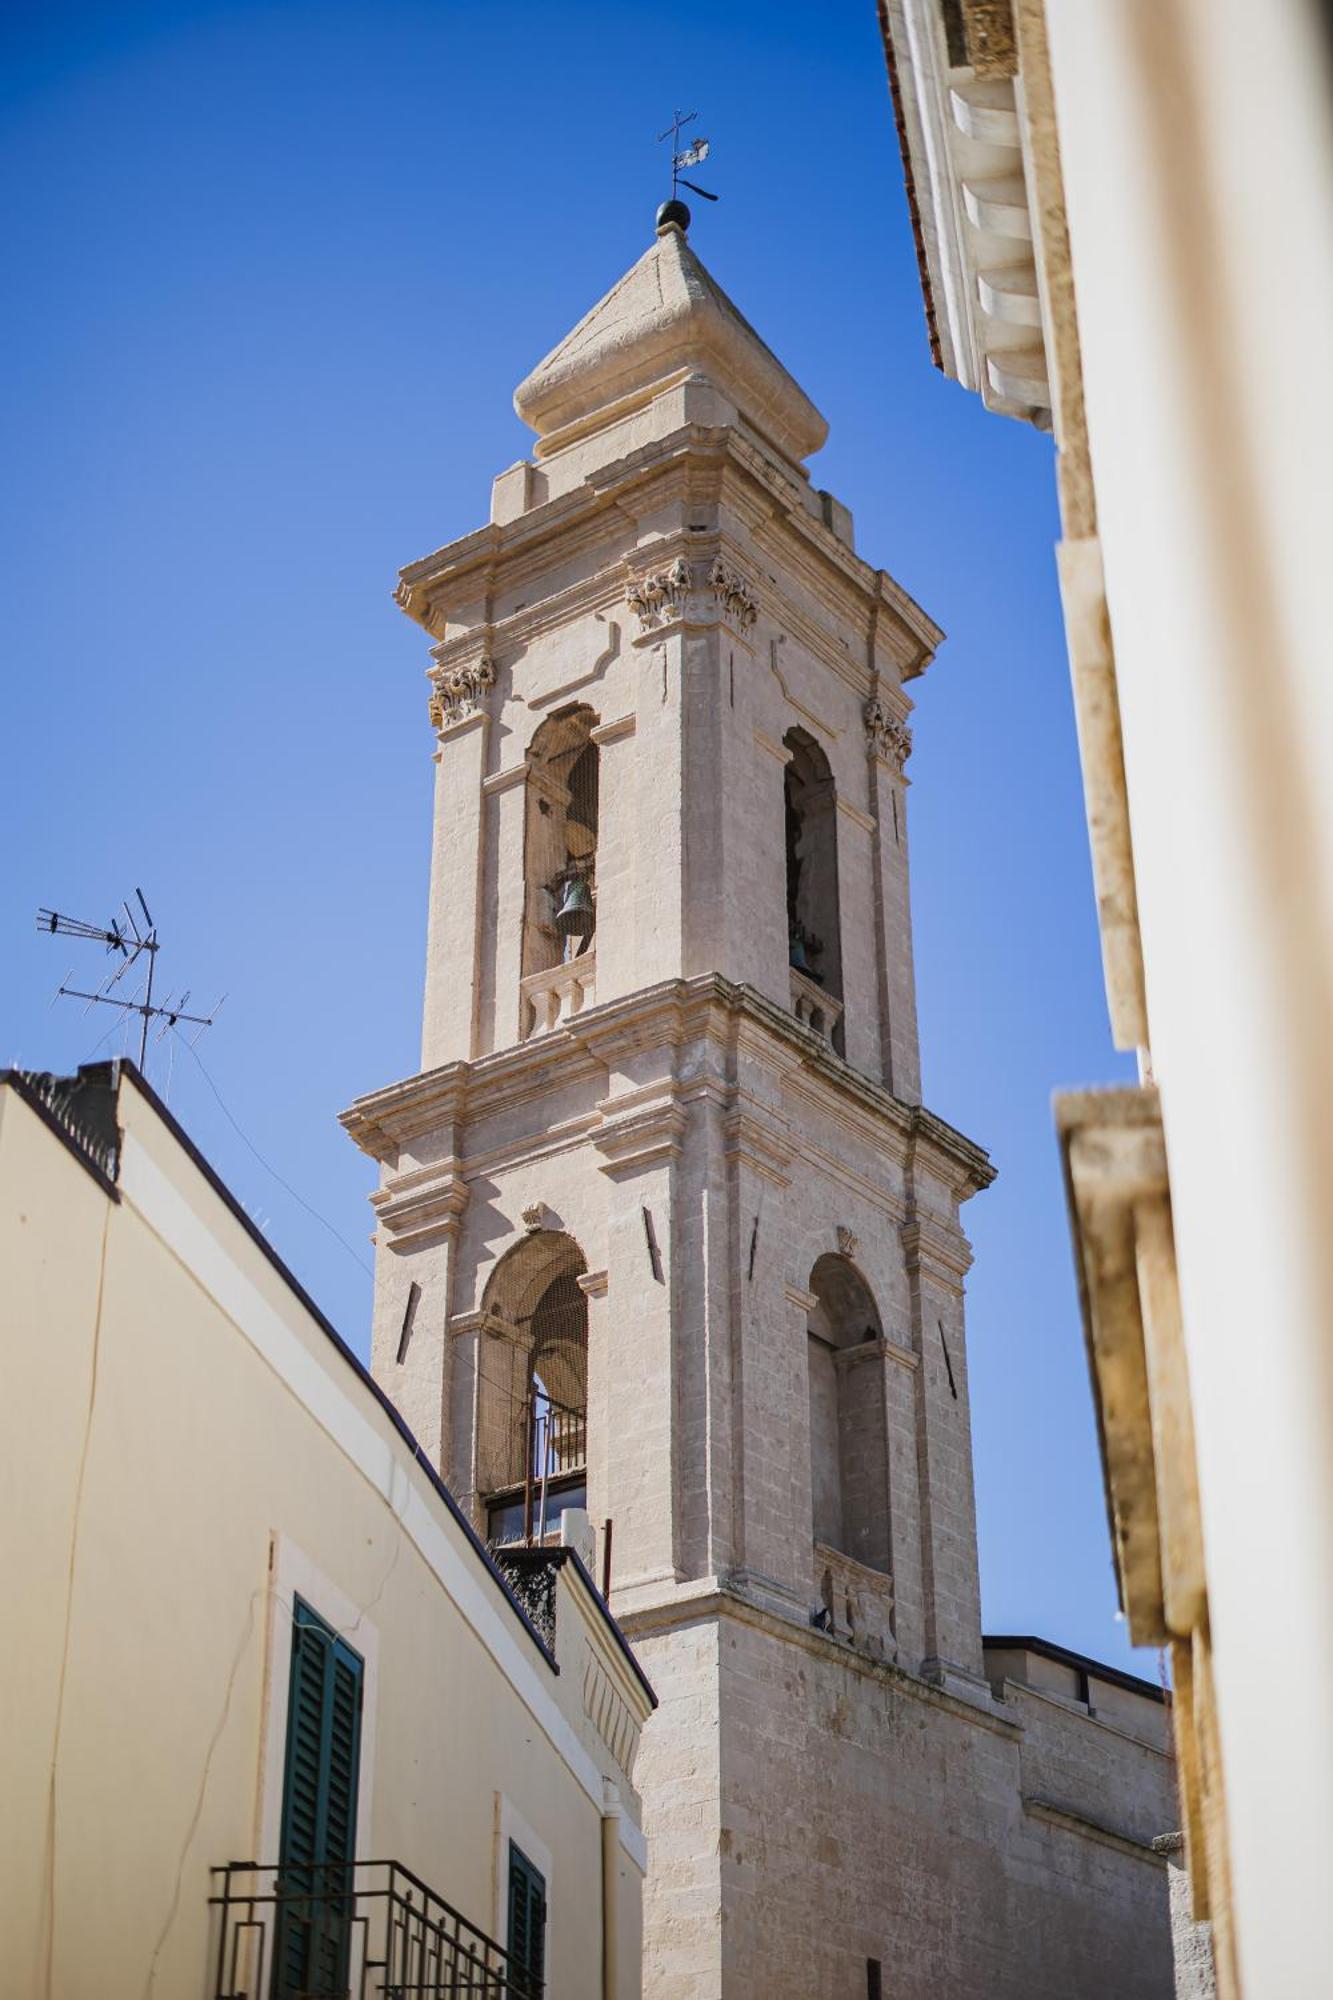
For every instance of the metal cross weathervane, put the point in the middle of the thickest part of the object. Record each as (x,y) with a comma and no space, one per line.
(129,940)
(692,155)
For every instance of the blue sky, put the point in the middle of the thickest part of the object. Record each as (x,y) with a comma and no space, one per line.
(273,273)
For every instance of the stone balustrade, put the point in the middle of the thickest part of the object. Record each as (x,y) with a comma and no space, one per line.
(859,1602)
(553,997)
(813,1007)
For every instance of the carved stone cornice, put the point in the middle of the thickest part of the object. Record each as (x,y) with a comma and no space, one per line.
(760,1143)
(646,1136)
(457,692)
(886,734)
(516,558)
(1120,1216)
(706,1008)
(942,1252)
(383,1121)
(424,1206)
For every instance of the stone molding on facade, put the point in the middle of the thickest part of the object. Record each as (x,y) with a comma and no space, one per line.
(421,1207)
(1074,1821)
(1116,1182)
(965,1698)
(642,1137)
(673,1013)
(758,1141)
(887,736)
(493,562)
(938,1249)
(963,155)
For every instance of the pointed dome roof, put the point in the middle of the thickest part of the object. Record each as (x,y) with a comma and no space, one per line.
(667,318)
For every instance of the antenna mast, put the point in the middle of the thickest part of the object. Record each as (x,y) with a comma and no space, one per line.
(129,940)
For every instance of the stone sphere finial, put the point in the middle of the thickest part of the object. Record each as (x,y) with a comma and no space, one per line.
(672,214)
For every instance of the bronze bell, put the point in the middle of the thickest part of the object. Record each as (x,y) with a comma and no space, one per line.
(574,918)
(800,945)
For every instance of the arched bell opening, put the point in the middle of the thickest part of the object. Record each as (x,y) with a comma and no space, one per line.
(849,1487)
(814,923)
(532,1391)
(560,841)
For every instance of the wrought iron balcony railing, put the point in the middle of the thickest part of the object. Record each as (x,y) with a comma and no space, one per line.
(369,1931)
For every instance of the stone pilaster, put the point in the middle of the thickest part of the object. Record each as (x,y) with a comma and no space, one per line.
(638,1141)
(454,928)
(888,746)
(937,1258)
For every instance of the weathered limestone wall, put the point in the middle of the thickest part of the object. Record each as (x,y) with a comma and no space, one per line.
(864,1815)
(1191,1941)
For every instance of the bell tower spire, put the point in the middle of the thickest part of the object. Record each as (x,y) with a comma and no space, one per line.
(663,1229)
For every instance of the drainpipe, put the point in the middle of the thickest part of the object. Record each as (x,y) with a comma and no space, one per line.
(611,1810)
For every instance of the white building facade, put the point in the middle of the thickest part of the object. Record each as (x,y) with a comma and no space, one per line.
(274,1723)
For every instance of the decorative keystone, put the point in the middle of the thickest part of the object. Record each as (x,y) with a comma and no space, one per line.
(457,692)
(537,1216)
(886,735)
(848,1242)
(734,594)
(657,598)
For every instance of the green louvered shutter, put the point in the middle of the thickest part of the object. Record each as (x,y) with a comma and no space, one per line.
(527,1925)
(318,1809)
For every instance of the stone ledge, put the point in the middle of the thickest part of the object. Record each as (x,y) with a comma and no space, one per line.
(670,1013)
(711,1598)
(1073,1821)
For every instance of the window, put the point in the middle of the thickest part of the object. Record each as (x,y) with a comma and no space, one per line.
(560,841)
(848,1441)
(532,1391)
(319,1802)
(814,924)
(526,1941)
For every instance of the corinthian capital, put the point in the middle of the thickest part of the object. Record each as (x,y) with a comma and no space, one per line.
(657,598)
(886,735)
(457,691)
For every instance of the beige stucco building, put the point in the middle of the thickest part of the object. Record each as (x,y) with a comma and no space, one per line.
(1124,212)
(665,1230)
(250,1626)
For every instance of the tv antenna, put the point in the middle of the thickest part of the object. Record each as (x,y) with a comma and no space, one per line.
(692,155)
(128,940)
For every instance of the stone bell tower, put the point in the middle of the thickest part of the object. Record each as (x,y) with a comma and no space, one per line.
(663,1226)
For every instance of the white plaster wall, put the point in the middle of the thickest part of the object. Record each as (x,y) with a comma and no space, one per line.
(1196,149)
(140,1742)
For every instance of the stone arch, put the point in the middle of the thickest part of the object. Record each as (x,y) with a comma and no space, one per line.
(849,1467)
(560,836)
(532,1389)
(814,921)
